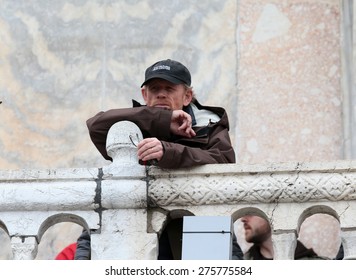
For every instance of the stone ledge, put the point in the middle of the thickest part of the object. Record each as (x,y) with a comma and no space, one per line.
(233,183)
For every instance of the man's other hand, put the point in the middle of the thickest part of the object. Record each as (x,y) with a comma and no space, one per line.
(181,124)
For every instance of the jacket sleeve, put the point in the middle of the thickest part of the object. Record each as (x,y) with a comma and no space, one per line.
(83,251)
(153,122)
(215,148)
(237,253)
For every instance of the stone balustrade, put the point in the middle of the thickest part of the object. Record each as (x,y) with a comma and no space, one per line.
(125,205)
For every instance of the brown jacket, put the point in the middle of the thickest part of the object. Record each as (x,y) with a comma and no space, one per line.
(210,145)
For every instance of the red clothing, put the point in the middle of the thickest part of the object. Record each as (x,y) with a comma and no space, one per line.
(67,253)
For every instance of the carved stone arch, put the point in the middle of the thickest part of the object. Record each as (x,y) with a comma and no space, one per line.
(324,222)
(171,234)
(5,243)
(175,214)
(59,218)
(255,211)
(3,227)
(316,209)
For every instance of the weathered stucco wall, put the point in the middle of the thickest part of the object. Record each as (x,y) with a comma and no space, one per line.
(274,65)
(65,61)
(290,99)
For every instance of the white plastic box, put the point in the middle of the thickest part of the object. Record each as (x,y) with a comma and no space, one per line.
(207,238)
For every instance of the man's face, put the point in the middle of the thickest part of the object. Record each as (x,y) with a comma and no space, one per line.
(257,229)
(164,94)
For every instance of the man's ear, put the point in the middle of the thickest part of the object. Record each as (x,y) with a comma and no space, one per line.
(188,96)
(144,93)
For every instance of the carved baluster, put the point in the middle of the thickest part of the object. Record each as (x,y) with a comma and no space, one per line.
(284,244)
(122,140)
(123,234)
(121,146)
(24,248)
(348,239)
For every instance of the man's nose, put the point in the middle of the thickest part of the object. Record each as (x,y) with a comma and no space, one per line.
(162,93)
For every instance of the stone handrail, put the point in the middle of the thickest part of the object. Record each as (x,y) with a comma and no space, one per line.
(125,205)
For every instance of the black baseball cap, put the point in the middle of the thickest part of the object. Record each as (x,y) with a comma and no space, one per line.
(170,70)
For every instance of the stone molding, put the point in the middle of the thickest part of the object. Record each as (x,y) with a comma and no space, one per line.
(212,186)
